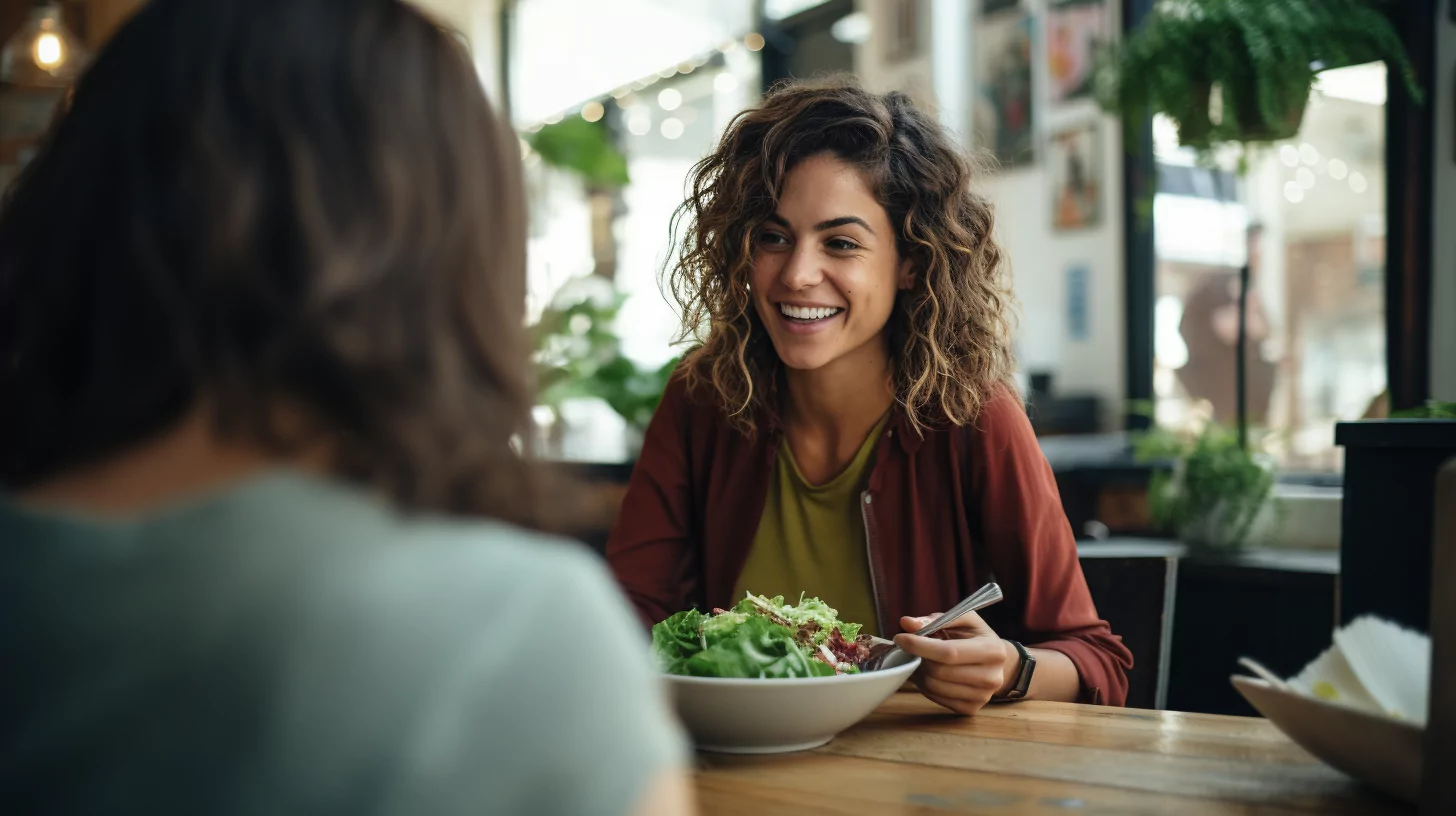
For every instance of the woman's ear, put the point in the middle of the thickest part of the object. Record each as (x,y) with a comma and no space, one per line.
(905,276)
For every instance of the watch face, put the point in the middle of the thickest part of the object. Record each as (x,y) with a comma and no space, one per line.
(1023,681)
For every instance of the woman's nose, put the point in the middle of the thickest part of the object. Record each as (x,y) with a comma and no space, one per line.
(802,270)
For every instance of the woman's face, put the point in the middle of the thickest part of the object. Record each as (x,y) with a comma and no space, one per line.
(825,266)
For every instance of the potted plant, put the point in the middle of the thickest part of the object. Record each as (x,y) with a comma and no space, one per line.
(1239,72)
(578,355)
(1215,490)
(577,352)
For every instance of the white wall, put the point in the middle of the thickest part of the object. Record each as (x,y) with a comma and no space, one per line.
(1040,256)
(1443,254)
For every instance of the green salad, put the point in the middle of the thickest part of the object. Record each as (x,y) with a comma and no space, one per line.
(761,637)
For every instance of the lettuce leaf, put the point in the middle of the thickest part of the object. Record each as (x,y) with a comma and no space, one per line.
(678,638)
(760,637)
(755,647)
(721,626)
(809,610)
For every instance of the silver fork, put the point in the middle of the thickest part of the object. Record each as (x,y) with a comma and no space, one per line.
(980,599)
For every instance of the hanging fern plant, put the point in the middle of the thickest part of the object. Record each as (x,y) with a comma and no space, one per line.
(1240,71)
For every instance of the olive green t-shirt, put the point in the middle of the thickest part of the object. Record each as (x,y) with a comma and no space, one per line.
(811,539)
(291,646)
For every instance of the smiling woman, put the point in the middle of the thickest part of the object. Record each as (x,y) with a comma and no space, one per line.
(847,427)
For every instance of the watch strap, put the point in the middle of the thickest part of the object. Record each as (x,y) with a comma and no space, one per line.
(1024,671)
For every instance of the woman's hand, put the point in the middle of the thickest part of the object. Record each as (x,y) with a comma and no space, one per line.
(964,665)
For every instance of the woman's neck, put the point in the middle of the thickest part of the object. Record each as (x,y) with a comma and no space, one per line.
(840,402)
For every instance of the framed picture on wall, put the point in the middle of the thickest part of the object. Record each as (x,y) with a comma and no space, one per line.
(1074,158)
(1074,30)
(1004,116)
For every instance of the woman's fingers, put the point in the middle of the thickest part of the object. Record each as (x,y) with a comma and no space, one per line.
(968,625)
(941,651)
(961,672)
(913,624)
(955,691)
(955,650)
(980,677)
(961,675)
(966,707)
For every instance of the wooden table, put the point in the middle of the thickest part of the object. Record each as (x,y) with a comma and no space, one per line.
(911,756)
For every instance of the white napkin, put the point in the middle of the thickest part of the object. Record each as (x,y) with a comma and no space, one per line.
(1375,666)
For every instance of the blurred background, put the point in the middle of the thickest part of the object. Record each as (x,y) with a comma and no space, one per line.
(1131,243)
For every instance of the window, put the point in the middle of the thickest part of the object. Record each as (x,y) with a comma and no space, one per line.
(664,119)
(1313,209)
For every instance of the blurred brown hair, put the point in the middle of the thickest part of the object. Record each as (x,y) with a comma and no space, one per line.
(262,203)
(950,335)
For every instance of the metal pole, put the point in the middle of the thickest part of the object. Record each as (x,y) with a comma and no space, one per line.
(1241,395)
(505,40)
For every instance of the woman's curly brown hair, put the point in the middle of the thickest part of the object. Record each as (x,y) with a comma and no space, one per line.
(950,334)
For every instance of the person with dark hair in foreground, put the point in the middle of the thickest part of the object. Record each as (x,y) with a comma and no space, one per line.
(262,366)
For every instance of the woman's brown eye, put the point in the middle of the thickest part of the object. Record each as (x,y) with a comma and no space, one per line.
(841,245)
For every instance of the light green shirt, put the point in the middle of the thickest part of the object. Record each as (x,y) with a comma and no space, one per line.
(811,539)
(292,646)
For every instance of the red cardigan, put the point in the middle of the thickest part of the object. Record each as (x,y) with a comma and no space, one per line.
(943,514)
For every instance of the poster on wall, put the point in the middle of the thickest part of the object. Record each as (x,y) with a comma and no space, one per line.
(1074,31)
(1074,156)
(1079,325)
(1003,119)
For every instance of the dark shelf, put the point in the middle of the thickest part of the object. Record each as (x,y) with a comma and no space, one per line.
(1397,433)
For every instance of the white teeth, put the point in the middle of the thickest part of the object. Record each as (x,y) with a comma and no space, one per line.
(807,313)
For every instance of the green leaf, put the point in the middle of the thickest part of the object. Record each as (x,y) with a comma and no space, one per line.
(1215,491)
(808,610)
(756,647)
(719,627)
(1257,52)
(578,354)
(750,640)
(677,638)
(1433,409)
(583,148)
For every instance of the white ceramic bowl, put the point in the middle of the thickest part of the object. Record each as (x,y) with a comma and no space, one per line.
(1382,752)
(738,716)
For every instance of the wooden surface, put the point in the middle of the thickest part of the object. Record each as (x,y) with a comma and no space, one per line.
(1056,758)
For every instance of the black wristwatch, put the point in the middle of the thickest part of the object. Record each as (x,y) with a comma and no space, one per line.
(1023,673)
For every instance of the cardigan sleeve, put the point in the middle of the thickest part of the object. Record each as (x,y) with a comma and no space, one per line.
(1032,552)
(649,549)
